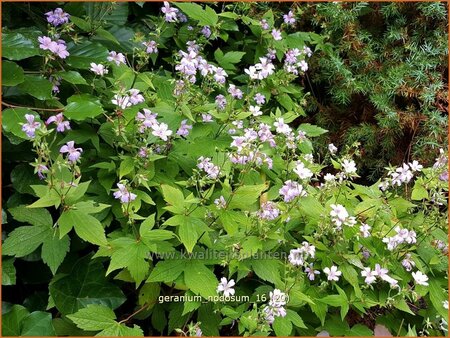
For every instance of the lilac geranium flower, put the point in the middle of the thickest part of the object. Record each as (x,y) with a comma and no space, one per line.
(118,58)
(45,42)
(184,128)
(259,98)
(57,17)
(59,49)
(74,153)
(123,194)
(61,125)
(152,46)
(30,127)
(206,31)
(161,130)
(170,12)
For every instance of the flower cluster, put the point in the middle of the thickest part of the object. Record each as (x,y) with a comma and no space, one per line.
(291,190)
(382,273)
(148,120)
(268,211)
(169,12)
(401,236)
(98,69)
(191,63)
(57,17)
(294,60)
(58,119)
(132,98)
(58,47)
(298,257)
(248,146)
(151,46)
(401,175)
(212,170)
(339,215)
(332,273)
(261,70)
(276,305)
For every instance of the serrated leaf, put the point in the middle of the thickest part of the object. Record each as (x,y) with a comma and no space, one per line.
(85,284)
(54,250)
(38,217)
(246,195)
(267,269)
(189,232)
(38,323)
(83,54)
(94,317)
(126,166)
(282,326)
(174,197)
(196,12)
(76,193)
(295,319)
(24,240)
(401,304)
(11,321)
(86,226)
(167,271)
(311,130)
(132,256)
(200,280)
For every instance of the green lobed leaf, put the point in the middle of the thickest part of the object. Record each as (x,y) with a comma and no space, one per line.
(15,46)
(12,74)
(83,54)
(36,86)
(167,271)
(94,317)
(54,250)
(38,323)
(246,195)
(196,12)
(38,217)
(24,240)
(282,326)
(86,226)
(12,320)
(85,284)
(82,106)
(72,76)
(8,271)
(200,280)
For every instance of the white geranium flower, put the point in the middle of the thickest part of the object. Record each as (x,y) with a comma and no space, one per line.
(226,287)
(420,278)
(332,273)
(161,130)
